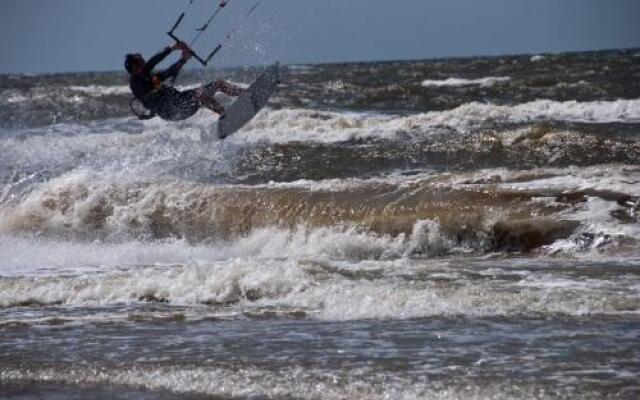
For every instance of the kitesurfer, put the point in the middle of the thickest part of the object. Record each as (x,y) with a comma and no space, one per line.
(166,101)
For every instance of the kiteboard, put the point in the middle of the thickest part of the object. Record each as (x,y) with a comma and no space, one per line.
(249,103)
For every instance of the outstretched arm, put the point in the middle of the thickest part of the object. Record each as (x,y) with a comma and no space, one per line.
(172,71)
(157,59)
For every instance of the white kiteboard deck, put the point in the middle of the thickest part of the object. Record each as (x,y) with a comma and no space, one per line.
(249,103)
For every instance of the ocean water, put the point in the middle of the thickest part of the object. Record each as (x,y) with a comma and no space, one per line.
(440,229)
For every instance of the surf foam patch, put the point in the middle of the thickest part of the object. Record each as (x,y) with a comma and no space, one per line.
(455,82)
(291,125)
(336,290)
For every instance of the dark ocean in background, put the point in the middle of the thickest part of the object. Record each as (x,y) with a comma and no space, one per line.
(441,229)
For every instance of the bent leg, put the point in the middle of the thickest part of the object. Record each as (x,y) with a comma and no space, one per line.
(205,94)
(208,101)
(224,87)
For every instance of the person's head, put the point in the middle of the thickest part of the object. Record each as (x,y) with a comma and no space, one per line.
(134,63)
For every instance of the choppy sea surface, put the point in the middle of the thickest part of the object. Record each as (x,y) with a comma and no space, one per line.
(440,229)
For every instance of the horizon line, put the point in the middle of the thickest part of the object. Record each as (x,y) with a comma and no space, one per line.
(350,62)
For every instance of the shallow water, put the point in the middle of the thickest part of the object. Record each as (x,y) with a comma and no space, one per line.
(447,229)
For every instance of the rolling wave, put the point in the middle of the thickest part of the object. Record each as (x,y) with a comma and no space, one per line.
(453,82)
(315,280)
(494,210)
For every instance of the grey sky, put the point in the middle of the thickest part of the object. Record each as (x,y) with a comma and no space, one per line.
(81,35)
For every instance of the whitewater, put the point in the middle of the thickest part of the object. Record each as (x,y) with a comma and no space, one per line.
(439,229)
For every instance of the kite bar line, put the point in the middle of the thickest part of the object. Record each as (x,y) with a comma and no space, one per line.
(209,21)
(231,32)
(181,17)
(200,30)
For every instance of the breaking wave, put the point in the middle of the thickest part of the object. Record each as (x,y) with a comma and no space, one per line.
(318,279)
(489,81)
(315,126)
(287,125)
(493,210)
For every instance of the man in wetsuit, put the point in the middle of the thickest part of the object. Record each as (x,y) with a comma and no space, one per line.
(165,101)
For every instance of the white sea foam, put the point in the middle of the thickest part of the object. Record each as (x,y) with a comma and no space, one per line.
(123,145)
(607,178)
(310,270)
(598,214)
(13,98)
(101,273)
(99,90)
(290,125)
(324,291)
(301,69)
(307,125)
(453,82)
(306,382)
(599,227)
(33,256)
(16,97)
(115,205)
(330,274)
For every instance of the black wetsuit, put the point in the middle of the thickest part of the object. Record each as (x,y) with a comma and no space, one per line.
(165,101)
